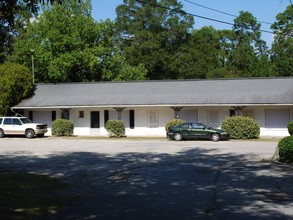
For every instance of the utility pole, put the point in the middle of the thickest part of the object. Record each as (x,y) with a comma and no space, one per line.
(33,65)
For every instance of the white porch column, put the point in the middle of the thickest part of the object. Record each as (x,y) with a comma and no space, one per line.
(177,110)
(65,113)
(119,112)
(238,110)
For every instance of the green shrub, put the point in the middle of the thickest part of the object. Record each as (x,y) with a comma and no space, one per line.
(285,149)
(62,127)
(290,128)
(241,127)
(115,128)
(173,122)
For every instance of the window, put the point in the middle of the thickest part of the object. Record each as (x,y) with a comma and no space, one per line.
(1,119)
(131,119)
(30,115)
(277,118)
(153,119)
(184,125)
(106,116)
(7,121)
(15,121)
(95,119)
(245,112)
(196,126)
(81,114)
(53,114)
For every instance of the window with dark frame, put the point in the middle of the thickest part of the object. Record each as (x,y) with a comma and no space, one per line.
(31,115)
(53,115)
(81,114)
(232,112)
(106,116)
(131,119)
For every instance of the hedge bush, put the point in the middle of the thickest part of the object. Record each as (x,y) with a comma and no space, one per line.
(290,128)
(285,150)
(241,127)
(115,128)
(173,122)
(62,127)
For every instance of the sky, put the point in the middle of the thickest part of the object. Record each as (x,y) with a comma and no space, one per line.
(263,10)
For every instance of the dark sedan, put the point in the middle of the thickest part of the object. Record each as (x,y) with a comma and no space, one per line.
(191,130)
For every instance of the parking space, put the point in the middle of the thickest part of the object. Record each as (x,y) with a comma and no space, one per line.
(159,179)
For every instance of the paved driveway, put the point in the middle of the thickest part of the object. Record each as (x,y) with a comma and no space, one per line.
(159,179)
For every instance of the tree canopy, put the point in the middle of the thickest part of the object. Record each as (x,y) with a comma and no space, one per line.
(15,84)
(71,47)
(150,39)
(152,34)
(10,12)
(282,48)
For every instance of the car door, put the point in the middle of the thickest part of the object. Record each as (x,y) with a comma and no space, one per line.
(7,126)
(17,126)
(12,126)
(198,131)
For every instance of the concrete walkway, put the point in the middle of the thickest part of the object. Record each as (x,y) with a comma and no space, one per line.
(159,179)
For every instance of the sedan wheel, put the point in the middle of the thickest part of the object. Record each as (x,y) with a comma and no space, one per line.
(178,136)
(29,133)
(215,137)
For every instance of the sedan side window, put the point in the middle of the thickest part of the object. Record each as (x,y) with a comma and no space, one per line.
(197,126)
(184,126)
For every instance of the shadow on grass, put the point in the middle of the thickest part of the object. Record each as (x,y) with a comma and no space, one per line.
(27,196)
(194,184)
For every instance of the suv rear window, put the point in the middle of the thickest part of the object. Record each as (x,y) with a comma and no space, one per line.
(1,119)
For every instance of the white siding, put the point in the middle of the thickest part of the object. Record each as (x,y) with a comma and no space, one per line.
(151,121)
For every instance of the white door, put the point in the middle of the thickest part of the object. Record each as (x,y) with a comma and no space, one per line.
(213,118)
(153,122)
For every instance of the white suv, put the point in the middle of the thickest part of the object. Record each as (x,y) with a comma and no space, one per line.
(21,126)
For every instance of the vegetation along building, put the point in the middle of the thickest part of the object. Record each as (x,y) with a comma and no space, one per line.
(146,106)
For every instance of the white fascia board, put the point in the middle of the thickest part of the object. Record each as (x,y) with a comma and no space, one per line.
(154,105)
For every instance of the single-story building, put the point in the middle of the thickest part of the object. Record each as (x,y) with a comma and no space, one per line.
(146,106)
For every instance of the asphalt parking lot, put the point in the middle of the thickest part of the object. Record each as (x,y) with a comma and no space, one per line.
(159,179)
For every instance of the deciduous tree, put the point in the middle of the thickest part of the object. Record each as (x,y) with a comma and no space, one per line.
(10,12)
(15,84)
(71,47)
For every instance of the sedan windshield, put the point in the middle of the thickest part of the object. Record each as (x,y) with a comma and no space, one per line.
(25,120)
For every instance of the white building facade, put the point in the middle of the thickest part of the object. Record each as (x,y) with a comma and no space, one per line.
(146,107)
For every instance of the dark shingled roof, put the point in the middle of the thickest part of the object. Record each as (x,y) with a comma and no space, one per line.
(257,91)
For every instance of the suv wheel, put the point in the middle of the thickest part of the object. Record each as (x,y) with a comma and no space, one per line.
(29,133)
(2,134)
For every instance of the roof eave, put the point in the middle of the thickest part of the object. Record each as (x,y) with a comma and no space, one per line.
(154,105)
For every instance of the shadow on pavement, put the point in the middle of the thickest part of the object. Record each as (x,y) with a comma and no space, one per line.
(191,185)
